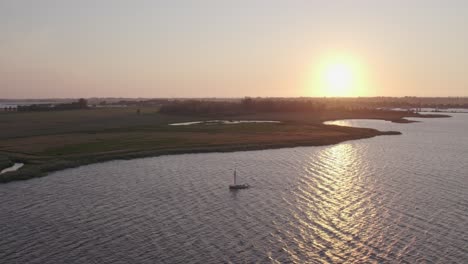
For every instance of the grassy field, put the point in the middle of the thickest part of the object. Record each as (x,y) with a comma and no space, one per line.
(5,162)
(49,141)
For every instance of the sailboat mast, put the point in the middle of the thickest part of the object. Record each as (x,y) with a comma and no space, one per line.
(235,175)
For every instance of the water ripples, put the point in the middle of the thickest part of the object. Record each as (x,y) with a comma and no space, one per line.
(392,199)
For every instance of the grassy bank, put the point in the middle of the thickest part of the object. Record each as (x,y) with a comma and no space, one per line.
(5,162)
(51,141)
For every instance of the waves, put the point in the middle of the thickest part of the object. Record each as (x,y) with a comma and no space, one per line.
(386,200)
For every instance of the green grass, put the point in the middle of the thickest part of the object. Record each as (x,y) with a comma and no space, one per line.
(49,141)
(112,145)
(5,162)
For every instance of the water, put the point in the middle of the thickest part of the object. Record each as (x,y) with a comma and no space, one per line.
(15,167)
(449,110)
(223,122)
(15,104)
(432,110)
(388,199)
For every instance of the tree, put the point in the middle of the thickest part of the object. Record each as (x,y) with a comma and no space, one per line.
(83,103)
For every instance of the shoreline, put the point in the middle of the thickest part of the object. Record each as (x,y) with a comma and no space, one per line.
(36,167)
(32,171)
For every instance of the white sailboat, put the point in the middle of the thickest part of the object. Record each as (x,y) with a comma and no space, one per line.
(236,186)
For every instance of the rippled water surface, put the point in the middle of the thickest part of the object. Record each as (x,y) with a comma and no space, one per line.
(387,199)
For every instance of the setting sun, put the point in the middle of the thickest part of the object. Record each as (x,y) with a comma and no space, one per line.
(339,79)
(338,76)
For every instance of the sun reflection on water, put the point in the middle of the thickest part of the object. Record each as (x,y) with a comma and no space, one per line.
(337,205)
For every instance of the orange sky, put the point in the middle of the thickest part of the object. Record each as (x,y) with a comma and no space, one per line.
(225,49)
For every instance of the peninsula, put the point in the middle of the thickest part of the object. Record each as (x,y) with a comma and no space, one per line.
(47,141)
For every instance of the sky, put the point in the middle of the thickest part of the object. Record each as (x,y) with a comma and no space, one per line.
(149,48)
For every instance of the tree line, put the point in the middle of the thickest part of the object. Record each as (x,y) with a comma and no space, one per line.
(80,104)
(245,106)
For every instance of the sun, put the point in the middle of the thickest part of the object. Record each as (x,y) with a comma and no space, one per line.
(339,79)
(338,76)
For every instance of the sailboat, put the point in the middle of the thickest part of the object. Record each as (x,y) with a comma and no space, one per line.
(236,186)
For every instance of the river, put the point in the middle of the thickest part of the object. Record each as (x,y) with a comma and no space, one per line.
(387,199)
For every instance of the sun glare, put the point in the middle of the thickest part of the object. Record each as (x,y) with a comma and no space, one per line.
(338,76)
(338,79)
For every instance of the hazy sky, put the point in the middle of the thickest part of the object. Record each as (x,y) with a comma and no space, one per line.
(150,48)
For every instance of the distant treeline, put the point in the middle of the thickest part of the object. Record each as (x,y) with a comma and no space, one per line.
(80,104)
(247,105)
(407,102)
(301,103)
(137,103)
(412,104)
(257,105)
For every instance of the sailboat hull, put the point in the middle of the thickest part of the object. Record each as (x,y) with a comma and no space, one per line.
(239,186)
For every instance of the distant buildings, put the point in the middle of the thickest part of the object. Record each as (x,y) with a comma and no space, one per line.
(10,108)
